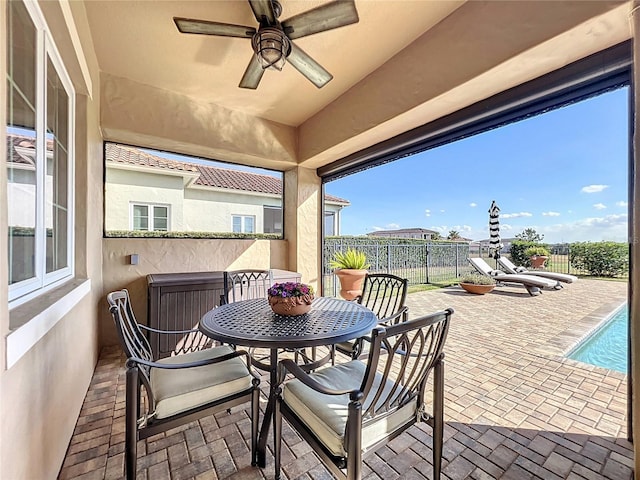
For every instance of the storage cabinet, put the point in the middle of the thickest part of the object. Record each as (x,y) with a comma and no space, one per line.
(177,301)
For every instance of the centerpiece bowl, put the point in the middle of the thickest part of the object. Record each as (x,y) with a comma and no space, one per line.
(290,298)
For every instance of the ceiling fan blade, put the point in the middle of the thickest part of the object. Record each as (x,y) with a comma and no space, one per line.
(263,8)
(325,17)
(252,75)
(308,67)
(203,27)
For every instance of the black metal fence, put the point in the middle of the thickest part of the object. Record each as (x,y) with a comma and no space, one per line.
(419,261)
(424,261)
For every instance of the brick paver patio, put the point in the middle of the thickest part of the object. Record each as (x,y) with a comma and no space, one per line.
(515,408)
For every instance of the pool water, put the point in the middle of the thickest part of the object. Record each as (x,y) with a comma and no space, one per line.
(608,346)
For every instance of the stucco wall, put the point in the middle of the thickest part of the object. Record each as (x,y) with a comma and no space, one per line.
(42,393)
(176,256)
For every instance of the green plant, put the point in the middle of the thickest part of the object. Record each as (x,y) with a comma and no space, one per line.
(477,279)
(538,250)
(601,259)
(290,289)
(351,259)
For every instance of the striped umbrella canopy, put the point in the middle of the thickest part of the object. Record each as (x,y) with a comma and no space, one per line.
(495,245)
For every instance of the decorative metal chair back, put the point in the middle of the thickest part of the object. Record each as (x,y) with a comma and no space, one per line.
(132,339)
(245,285)
(385,294)
(404,354)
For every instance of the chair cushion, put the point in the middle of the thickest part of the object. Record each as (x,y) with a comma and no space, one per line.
(179,390)
(326,415)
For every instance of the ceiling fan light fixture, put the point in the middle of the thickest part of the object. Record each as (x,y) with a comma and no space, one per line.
(272,47)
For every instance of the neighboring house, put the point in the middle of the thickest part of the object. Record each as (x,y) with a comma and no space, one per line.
(148,192)
(419,233)
(506,244)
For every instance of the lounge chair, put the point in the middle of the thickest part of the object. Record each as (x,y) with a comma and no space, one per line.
(510,267)
(532,283)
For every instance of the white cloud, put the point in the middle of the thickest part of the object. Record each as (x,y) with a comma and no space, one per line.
(505,227)
(621,204)
(593,188)
(442,211)
(599,206)
(550,214)
(610,228)
(447,228)
(427,213)
(473,204)
(388,226)
(516,215)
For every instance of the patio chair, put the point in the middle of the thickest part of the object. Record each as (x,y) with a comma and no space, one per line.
(532,283)
(385,295)
(179,389)
(510,267)
(347,410)
(245,285)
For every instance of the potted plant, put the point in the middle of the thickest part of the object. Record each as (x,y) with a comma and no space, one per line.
(538,255)
(351,268)
(290,298)
(476,283)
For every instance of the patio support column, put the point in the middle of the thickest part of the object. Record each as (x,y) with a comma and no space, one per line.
(302,215)
(634,241)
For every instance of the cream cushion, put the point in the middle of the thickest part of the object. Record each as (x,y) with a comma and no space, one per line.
(178,390)
(326,415)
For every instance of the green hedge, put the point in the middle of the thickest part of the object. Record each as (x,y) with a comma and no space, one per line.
(519,254)
(221,235)
(601,259)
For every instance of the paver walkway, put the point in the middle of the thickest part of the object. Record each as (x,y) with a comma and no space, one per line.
(515,408)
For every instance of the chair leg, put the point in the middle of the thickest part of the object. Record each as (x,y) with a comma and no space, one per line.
(354,435)
(255,420)
(277,435)
(438,417)
(131,422)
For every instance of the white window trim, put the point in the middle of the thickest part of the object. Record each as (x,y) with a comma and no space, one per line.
(243,223)
(151,205)
(42,282)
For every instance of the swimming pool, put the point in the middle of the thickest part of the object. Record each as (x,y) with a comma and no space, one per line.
(608,346)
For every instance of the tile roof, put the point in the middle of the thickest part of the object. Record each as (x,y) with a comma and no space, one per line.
(402,230)
(16,142)
(208,176)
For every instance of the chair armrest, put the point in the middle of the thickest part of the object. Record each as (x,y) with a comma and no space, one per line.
(132,361)
(400,313)
(291,367)
(155,330)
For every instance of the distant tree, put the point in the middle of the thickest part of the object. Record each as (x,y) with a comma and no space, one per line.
(436,236)
(530,235)
(453,235)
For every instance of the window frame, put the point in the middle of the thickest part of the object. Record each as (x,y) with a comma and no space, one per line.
(46,50)
(151,217)
(243,223)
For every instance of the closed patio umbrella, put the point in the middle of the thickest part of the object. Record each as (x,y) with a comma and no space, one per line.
(495,245)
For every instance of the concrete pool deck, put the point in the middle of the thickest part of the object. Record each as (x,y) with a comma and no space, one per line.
(515,407)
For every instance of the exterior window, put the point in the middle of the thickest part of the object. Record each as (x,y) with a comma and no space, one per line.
(272,220)
(40,125)
(243,224)
(329,223)
(150,217)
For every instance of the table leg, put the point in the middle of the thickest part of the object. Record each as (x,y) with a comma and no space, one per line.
(268,412)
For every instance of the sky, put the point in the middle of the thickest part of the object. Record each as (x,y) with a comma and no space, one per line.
(563,173)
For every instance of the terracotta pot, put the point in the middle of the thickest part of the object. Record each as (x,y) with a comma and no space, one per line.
(537,261)
(477,289)
(350,282)
(291,306)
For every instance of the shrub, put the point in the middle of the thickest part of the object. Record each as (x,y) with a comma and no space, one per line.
(477,279)
(601,259)
(351,259)
(538,250)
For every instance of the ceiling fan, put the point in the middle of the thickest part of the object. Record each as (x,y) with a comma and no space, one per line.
(272,41)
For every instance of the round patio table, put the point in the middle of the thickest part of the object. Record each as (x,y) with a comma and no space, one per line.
(252,323)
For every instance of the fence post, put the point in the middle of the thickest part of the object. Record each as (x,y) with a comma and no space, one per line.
(457,260)
(388,257)
(426,254)
(377,257)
